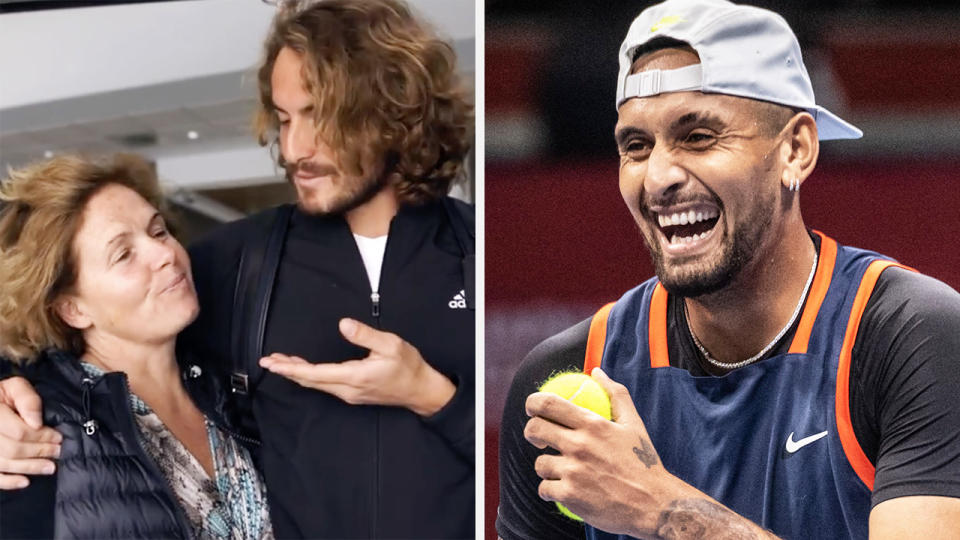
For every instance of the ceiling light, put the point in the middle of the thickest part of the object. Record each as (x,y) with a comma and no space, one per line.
(193,135)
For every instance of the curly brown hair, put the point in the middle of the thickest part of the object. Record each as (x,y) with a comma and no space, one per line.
(383,85)
(41,212)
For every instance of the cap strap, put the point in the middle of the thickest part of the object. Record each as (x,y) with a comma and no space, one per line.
(657,81)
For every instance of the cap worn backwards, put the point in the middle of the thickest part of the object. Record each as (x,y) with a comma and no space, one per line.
(744,51)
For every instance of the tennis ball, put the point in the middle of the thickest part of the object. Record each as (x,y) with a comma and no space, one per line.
(582,390)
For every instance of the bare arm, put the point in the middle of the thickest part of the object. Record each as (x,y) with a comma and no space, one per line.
(609,473)
(26,446)
(923,517)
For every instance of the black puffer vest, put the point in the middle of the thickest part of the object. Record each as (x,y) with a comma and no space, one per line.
(106,485)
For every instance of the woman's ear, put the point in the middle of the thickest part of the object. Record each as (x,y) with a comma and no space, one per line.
(69,310)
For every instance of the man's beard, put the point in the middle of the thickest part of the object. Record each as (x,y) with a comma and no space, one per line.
(354,192)
(710,277)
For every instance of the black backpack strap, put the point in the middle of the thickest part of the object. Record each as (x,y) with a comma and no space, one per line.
(461,218)
(259,262)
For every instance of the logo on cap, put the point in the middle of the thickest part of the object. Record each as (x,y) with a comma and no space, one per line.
(669,20)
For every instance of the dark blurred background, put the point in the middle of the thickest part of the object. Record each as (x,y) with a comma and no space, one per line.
(559,240)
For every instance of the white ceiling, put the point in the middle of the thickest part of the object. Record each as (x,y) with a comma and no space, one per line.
(140,77)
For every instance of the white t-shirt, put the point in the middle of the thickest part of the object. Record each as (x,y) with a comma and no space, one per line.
(371,251)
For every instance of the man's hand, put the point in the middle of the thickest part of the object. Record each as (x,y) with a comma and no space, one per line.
(609,473)
(26,446)
(394,373)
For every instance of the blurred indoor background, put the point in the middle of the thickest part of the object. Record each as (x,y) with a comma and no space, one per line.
(559,240)
(172,80)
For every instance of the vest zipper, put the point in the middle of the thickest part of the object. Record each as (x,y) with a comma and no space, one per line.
(375,308)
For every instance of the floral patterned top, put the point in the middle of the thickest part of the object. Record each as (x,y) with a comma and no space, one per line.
(233,505)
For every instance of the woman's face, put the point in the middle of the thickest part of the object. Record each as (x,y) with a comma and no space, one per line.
(133,278)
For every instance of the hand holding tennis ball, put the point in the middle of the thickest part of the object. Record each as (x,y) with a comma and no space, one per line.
(579,389)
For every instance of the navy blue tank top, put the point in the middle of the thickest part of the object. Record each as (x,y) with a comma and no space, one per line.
(772,441)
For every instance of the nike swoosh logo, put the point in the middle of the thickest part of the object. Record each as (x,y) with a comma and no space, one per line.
(793,446)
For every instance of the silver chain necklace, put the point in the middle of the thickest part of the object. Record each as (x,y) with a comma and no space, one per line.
(770,345)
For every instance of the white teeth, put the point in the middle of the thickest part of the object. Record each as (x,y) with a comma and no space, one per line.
(688,239)
(685,218)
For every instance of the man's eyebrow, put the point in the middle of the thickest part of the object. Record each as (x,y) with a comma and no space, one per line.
(303,110)
(697,117)
(625,133)
(702,118)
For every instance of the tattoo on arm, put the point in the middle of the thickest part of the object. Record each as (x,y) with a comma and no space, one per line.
(698,518)
(647,455)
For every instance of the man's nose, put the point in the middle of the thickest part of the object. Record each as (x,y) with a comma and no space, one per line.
(663,172)
(299,141)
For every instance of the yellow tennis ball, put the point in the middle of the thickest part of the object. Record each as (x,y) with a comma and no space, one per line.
(579,389)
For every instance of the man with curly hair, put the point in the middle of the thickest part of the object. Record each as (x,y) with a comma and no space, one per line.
(364,397)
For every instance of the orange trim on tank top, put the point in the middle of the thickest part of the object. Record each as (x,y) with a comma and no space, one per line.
(818,291)
(657,335)
(851,447)
(596,339)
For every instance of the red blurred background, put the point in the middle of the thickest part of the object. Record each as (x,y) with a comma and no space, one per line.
(560,242)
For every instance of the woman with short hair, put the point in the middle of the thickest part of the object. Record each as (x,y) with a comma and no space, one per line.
(93,292)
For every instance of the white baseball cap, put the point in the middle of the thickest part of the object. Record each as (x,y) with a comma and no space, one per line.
(744,51)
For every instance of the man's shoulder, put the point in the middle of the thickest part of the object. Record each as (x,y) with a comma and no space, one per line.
(910,319)
(561,352)
(907,294)
(214,256)
(466,209)
(231,236)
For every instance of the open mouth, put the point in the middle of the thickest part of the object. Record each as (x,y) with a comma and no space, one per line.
(687,226)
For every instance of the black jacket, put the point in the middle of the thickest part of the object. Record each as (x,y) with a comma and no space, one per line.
(106,485)
(335,470)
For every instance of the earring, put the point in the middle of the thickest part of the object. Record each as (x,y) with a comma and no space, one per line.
(794,185)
